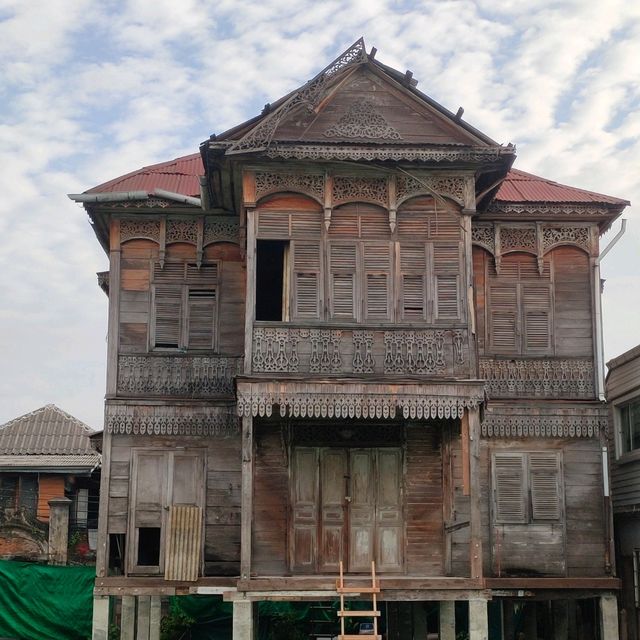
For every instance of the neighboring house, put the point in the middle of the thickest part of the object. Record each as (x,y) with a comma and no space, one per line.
(46,455)
(623,395)
(347,331)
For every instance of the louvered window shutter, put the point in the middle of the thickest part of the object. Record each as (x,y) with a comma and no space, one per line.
(509,488)
(306,270)
(342,266)
(167,310)
(503,310)
(201,319)
(413,267)
(536,308)
(446,269)
(544,483)
(377,271)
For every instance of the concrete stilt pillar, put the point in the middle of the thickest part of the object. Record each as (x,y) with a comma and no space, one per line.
(154,618)
(128,618)
(478,620)
(100,628)
(144,613)
(243,622)
(609,617)
(560,620)
(447,620)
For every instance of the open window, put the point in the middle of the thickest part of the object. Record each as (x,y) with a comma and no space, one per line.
(272,280)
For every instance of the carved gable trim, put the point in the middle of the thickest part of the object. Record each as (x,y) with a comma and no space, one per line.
(363,121)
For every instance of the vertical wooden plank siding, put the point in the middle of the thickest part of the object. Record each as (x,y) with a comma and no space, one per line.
(247,497)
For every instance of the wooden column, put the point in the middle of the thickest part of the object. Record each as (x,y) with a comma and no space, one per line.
(58,530)
(243,621)
(475,547)
(447,620)
(560,620)
(100,626)
(609,617)
(246,515)
(478,620)
(250,308)
(155,615)
(128,618)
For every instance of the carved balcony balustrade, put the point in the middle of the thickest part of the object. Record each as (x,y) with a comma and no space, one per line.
(333,351)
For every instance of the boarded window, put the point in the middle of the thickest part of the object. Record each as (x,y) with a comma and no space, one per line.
(343,274)
(185,305)
(526,487)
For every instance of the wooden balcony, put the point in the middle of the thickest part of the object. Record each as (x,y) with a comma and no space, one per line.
(437,352)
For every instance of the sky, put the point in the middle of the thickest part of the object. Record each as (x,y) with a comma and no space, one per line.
(93,89)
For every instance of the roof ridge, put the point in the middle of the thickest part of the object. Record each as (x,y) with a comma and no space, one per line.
(58,410)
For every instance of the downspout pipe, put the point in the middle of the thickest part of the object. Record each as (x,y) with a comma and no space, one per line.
(114,196)
(598,304)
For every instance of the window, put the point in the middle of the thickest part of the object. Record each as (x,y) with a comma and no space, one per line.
(19,492)
(272,295)
(185,304)
(526,487)
(629,425)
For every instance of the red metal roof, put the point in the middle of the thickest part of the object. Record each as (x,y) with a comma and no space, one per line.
(179,175)
(520,186)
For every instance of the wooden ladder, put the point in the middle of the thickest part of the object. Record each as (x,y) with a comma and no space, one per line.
(374,614)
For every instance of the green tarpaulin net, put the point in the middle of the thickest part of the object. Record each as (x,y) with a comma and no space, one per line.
(41,602)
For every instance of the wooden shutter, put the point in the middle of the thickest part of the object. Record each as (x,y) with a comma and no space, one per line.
(509,488)
(306,270)
(304,509)
(544,484)
(446,269)
(201,332)
(167,309)
(377,271)
(413,294)
(342,267)
(503,317)
(536,310)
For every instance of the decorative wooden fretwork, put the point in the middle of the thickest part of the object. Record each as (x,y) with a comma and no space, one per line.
(147,203)
(352,188)
(535,209)
(452,186)
(437,352)
(148,229)
(164,375)
(362,120)
(182,231)
(308,96)
(414,352)
(221,422)
(537,377)
(577,423)
(272,182)
(518,239)
(356,400)
(552,236)
(221,231)
(484,235)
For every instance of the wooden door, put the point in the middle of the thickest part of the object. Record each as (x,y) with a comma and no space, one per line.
(333,480)
(304,509)
(389,516)
(362,505)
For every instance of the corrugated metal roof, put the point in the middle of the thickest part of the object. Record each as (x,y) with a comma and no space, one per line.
(520,186)
(52,463)
(48,430)
(179,175)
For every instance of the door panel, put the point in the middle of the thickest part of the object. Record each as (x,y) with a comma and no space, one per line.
(304,502)
(389,521)
(361,511)
(333,472)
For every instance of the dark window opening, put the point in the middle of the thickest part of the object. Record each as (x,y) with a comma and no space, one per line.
(149,546)
(270,279)
(630,426)
(116,553)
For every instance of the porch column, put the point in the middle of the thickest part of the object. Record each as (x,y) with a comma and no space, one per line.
(475,546)
(100,625)
(447,620)
(246,512)
(609,617)
(478,620)
(243,623)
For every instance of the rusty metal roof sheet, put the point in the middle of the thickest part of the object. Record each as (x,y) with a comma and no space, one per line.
(49,431)
(520,186)
(179,175)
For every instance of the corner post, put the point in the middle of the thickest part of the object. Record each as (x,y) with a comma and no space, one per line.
(475,547)
(247,500)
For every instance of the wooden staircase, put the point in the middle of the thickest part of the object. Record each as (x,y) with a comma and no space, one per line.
(374,614)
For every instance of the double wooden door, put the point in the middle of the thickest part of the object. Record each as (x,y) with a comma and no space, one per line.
(346,505)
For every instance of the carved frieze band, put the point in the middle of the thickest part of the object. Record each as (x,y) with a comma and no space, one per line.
(219,422)
(353,188)
(182,231)
(408,186)
(130,229)
(437,352)
(340,404)
(542,210)
(190,376)
(536,239)
(222,230)
(271,182)
(544,378)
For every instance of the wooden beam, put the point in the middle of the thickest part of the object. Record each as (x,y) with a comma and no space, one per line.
(475,545)
(553,583)
(246,497)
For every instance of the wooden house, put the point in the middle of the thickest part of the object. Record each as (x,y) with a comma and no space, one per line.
(348,332)
(46,458)
(623,396)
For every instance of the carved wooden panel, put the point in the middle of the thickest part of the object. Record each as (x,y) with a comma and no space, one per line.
(273,182)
